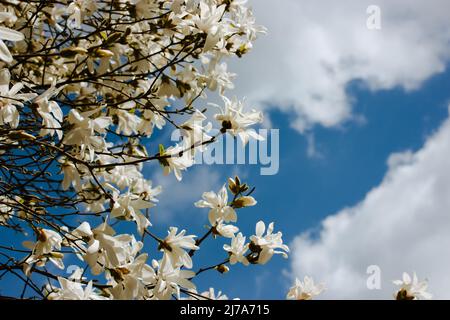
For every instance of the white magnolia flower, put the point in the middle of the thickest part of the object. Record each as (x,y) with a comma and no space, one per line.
(130,280)
(144,188)
(412,288)
(237,250)
(50,112)
(46,247)
(6,211)
(218,77)
(207,295)
(177,159)
(305,290)
(194,132)
(174,245)
(124,176)
(237,122)
(83,132)
(225,230)
(10,35)
(72,290)
(264,246)
(128,206)
(71,175)
(128,123)
(218,202)
(10,99)
(170,279)
(208,21)
(99,247)
(77,10)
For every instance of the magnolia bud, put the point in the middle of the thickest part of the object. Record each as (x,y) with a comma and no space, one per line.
(245,201)
(222,268)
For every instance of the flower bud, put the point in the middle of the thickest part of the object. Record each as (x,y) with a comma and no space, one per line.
(222,268)
(245,201)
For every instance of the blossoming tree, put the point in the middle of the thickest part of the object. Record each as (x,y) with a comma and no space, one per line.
(83,86)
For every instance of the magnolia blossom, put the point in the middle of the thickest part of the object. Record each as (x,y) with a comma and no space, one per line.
(220,209)
(177,159)
(170,279)
(210,294)
(194,132)
(83,133)
(264,246)
(144,188)
(130,281)
(50,112)
(46,247)
(237,250)
(305,290)
(6,211)
(412,288)
(225,230)
(78,9)
(124,176)
(174,244)
(237,122)
(71,174)
(100,247)
(10,98)
(10,35)
(128,206)
(128,123)
(209,22)
(71,290)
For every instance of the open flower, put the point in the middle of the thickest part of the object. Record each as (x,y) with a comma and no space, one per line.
(84,129)
(10,99)
(412,288)
(45,248)
(174,244)
(170,279)
(10,35)
(128,207)
(225,230)
(305,290)
(263,247)
(72,290)
(237,122)
(50,112)
(208,21)
(6,211)
(218,202)
(99,247)
(207,295)
(237,250)
(177,158)
(130,280)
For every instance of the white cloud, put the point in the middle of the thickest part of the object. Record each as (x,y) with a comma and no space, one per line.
(402,225)
(177,197)
(315,48)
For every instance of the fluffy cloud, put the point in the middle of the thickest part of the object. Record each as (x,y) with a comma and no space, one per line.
(401,225)
(315,48)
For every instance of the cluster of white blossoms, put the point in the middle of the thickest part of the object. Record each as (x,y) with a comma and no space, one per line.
(84,85)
